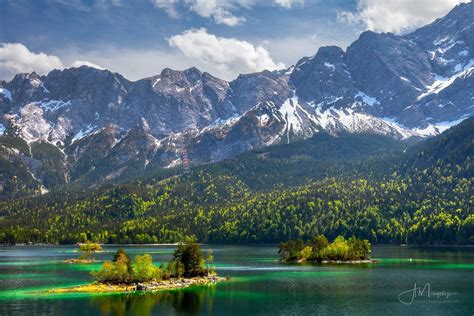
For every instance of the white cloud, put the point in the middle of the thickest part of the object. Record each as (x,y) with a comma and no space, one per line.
(169,6)
(17,58)
(396,16)
(221,11)
(79,63)
(288,3)
(218,10)
(132,63)
(228,56)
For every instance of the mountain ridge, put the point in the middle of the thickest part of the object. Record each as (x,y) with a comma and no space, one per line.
(272,194)
(404,86)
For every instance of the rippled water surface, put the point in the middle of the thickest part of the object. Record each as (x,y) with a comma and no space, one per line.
(259,285)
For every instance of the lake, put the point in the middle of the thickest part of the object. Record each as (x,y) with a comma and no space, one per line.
(259,284)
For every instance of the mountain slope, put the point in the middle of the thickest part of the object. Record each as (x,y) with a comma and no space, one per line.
(106,128)
(389,201)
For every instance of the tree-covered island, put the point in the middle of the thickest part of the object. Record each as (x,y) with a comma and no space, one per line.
(319,249)
(87,250)
(187,267)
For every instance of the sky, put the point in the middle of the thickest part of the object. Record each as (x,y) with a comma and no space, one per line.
(139,38)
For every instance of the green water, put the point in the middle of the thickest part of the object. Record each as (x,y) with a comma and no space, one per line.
(260,285)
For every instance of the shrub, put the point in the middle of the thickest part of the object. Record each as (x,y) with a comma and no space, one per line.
(290,250)
(90,247)
(144,270)
(337,250)
(106,273)
(318,244)
(305,253)
(175,269)
(359,249)
(112,272)
(117,271)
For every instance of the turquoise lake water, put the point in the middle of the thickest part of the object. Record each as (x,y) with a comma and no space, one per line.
(259,284)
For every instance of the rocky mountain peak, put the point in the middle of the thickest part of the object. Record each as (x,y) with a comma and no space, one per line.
(412,85)
(330,54)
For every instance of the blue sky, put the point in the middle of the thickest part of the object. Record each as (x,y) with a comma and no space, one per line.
(224,37)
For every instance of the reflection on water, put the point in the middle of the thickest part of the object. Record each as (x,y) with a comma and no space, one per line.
(260,285)
(188,301)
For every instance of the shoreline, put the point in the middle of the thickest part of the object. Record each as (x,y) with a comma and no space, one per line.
(348,261)
(211,244)
(84,261)
(153,286)
(333,261)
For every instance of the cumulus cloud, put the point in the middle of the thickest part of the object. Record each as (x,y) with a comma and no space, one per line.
(169,6)
(217,10)
(79,63)
(396,16)
(288,3)
(16,58)
(229,56)
(135,63)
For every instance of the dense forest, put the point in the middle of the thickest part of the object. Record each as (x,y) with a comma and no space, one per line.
(369,187)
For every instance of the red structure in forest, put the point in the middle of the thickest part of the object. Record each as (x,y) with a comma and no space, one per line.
(185,159)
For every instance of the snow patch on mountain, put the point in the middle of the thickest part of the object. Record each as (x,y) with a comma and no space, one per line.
(330,66)
(7,94)
(367,99)
(83,132)
(218,123)
(45,90)
(263,119)
(442,83)
(306,119)
(289,112)
(437,128)
(156,81)
(405,79)
(348,120)
(31,124)
(52,105)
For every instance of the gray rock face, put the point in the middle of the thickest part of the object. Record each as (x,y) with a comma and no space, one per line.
(389,68)
(448,41)
(176,101)
(324,78)
(249,90)
(106,128)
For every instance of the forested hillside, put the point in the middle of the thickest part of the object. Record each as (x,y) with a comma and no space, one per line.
(375,192)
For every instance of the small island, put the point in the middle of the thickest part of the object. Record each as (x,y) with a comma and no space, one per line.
(187,267)
(87,249)
(318,249)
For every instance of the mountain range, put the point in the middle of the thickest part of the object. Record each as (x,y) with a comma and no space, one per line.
(370,186)
(88,126)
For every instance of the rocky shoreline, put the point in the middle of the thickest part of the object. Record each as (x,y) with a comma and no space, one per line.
(350,261)
(152,286)
(80,261)
(332,261)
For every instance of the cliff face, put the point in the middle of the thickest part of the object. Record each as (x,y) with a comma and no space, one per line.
(86,124)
